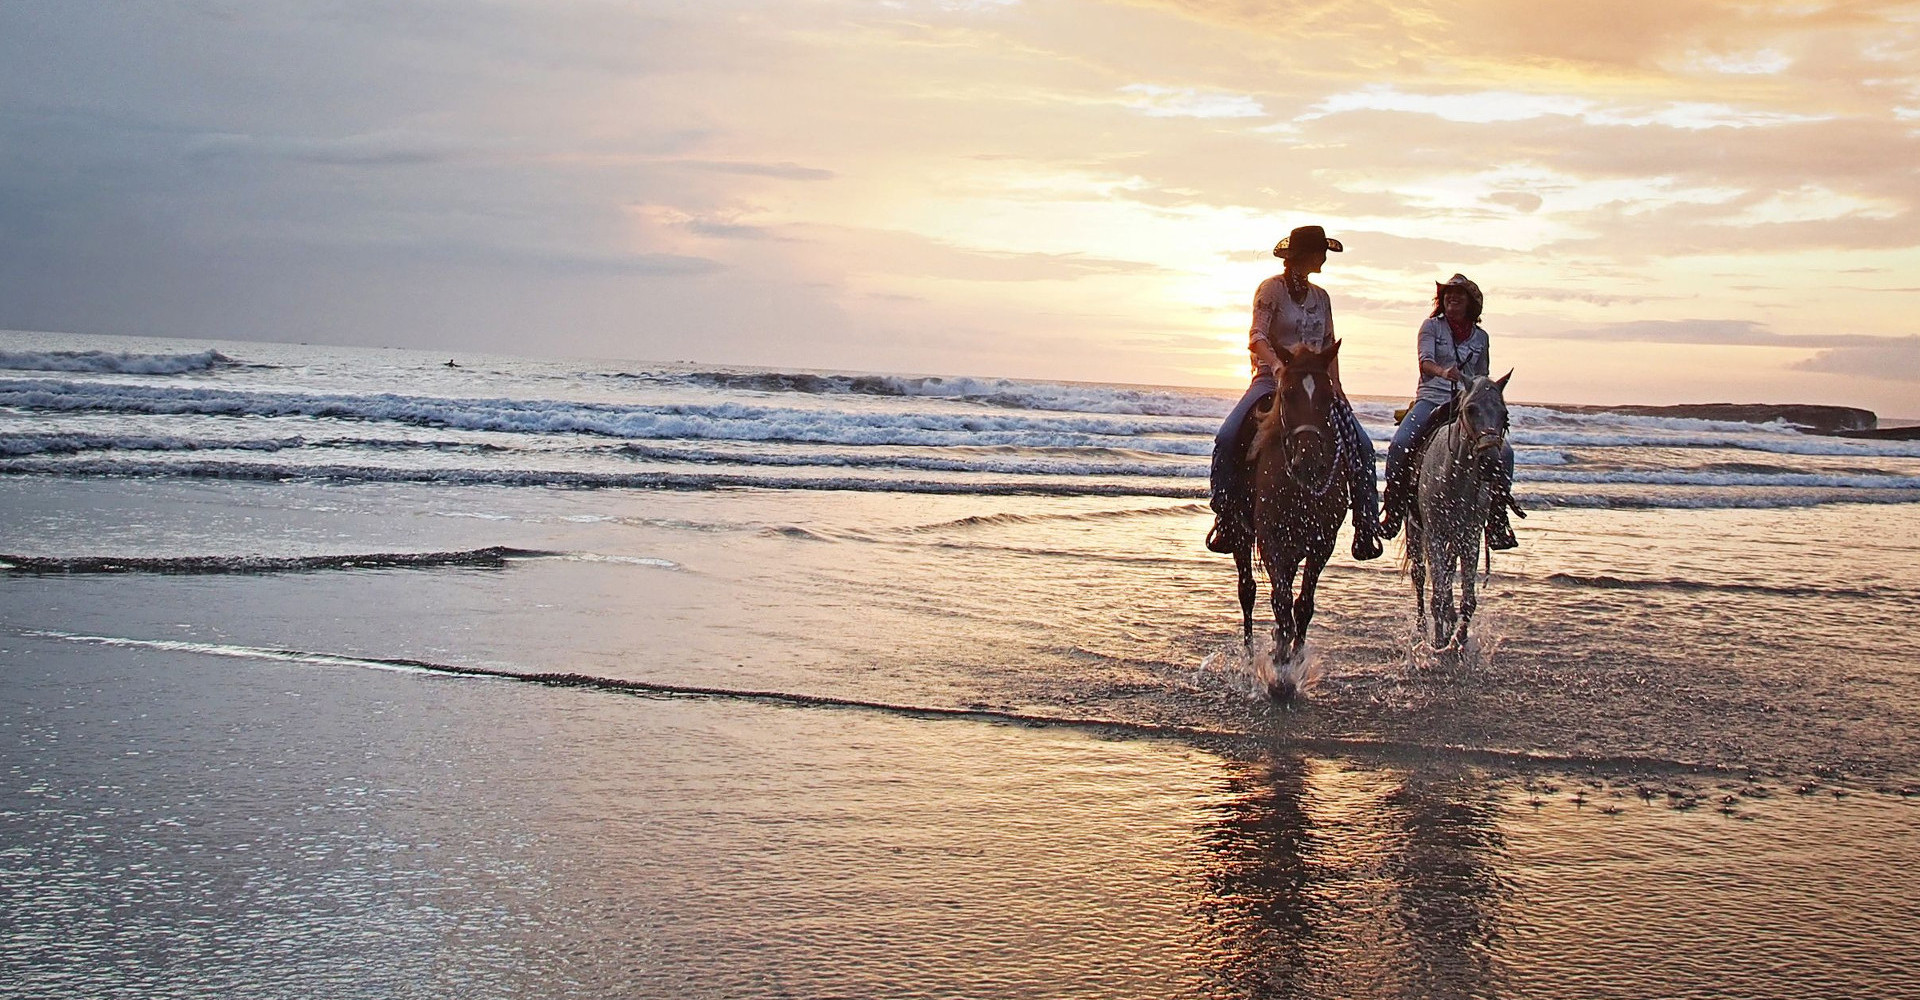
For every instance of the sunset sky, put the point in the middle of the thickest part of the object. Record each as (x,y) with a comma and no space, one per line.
(1665,200)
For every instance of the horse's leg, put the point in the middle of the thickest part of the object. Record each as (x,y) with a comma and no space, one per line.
(1440,566)
(1303,604)
(1469,568)
(1417,569)
(1280,580)
(1243,565)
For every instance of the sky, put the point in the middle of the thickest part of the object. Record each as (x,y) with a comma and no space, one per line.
(1663,201)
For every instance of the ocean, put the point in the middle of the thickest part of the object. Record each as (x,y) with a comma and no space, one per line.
(353,672)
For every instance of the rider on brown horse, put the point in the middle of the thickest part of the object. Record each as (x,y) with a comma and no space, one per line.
(1289,312)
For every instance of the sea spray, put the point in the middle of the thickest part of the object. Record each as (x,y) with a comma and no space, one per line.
(1250,670)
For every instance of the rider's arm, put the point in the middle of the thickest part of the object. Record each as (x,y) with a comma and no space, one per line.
(1430,332)
(1263,302)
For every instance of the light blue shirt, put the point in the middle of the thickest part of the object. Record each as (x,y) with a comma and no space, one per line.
(1437,346)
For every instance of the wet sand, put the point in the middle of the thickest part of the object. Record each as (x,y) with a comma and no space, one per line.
(180,825)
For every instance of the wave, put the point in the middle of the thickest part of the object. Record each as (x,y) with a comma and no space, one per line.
(12,445)
(113,362)
(491,557)
(964,462)
(1008,517)
(716,421)
(565,479)
(1525,759)
(623,686)
(1778,443)
(696,482)
(1605,582)
(1713,500)
(1722,478)
(1019,394)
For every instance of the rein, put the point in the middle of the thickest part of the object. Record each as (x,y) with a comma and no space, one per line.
(1333,468)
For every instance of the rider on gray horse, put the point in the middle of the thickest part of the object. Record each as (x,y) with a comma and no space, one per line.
(1453,349)
(1289,311)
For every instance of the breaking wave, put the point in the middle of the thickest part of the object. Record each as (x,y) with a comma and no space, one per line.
(1017,394)
(491,557)
(1605,582)
(112,362)
(718,421)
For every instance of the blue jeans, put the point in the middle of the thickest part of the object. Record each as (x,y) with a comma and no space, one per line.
(1228,474)
(1398,451)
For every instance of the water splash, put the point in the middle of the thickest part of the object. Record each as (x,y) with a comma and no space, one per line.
(1251,670)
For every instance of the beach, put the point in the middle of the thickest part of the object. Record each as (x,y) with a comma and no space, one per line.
(350,672)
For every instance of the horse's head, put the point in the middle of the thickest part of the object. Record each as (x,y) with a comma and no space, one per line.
(1301,414)
(1482,406)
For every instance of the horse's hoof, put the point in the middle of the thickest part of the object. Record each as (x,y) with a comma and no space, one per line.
(1282,690)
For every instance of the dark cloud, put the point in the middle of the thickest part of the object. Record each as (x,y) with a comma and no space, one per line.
(376,150)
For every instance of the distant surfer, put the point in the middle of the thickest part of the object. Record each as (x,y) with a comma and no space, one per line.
(450,363)
(1289,311)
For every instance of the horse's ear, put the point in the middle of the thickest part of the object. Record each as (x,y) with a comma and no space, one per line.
(1502,384)
(1334,351)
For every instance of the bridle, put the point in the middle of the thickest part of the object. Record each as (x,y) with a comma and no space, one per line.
(1289,447)
(1463,418)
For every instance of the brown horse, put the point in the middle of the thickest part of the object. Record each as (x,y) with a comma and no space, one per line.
(1299,487)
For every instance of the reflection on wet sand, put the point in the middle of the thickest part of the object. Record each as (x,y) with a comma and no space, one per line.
(1327,878)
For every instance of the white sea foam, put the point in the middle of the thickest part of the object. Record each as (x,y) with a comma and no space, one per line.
(1700,477)
(57,443)
(1753,439)
(1021,394)
(111,362)
(716,421)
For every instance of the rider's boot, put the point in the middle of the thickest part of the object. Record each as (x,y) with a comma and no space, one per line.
(1395,504)
(1499,529)
(1366,532)
(1366,543)
(1221,537)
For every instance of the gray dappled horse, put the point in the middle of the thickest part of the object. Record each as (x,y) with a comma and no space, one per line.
(1299,498)
(1455,473)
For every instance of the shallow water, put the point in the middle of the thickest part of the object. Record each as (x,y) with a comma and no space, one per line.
(988,733)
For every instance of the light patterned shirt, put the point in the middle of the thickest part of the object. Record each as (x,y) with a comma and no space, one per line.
(1285,324)
(1437,346)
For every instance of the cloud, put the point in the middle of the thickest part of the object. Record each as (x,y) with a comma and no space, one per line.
(783,171)
(378,149)
(1738,332)
(1186,102)
(1488,106)
(1886,359)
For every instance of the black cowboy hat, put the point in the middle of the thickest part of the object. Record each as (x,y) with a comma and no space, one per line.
(1306,239)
